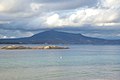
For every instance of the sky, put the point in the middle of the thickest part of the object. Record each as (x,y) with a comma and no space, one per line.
(94,18)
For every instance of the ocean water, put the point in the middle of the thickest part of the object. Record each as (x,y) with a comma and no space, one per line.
(80,62)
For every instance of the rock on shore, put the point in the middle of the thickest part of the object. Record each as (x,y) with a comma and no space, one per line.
(12,47)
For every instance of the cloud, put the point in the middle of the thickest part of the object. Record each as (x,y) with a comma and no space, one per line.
(5,37)
(36,6)
(2,8)
(54,20)
(106,14)
(110,3)
(15,33)
(13,5)
(17,10)
(31,15)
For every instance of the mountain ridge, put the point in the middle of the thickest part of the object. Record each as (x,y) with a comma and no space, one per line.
(58,37)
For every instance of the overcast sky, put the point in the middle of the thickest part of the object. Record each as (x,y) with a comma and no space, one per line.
(95,18)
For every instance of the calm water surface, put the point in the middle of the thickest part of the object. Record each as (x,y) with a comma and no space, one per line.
(80,62)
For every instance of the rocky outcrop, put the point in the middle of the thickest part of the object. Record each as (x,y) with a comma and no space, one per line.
(54,47)
(12,47)
(15,47)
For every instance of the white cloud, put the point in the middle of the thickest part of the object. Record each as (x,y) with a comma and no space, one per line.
(4,37)
(95,16)
(110,3)
(2,8)
(36,6)
(104,14)
(52,20)
(15,33)
(4,22)
(17,10)
(22,34)
(10,5)
(39,14)
(104,35)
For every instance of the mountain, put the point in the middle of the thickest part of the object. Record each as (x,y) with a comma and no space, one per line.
(57,37)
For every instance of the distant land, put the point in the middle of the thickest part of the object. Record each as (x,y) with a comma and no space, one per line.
(58,37)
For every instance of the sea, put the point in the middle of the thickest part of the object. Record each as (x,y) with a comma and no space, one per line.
(79,62)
